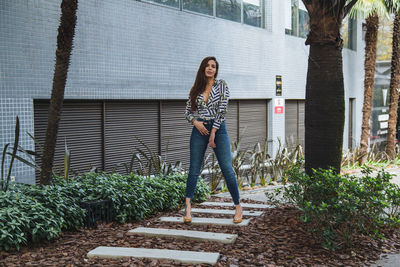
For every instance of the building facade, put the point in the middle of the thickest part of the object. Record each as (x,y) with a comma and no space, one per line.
(134,62)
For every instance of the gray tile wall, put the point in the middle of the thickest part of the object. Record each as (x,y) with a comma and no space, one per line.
(10,108)
(127,49)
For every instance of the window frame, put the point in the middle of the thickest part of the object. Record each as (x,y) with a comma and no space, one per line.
(214,12)
(297,22)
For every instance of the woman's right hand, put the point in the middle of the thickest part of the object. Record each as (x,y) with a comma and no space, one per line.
(200,127)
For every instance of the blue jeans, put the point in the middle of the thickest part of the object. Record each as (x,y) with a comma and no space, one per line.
(198,146)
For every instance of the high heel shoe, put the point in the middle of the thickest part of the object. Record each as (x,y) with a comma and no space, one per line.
(187,219)
(240,218)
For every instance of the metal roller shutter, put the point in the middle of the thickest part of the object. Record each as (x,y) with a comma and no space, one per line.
(291,122)
(301,138)
(252,122)
(294,122)
(232,120)
(81,126)
(175,131)
(123,122)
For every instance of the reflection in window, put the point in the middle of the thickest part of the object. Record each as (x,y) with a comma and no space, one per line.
(229,9)
(348,33)
(304,23)
(200,6)
(173,3)
(252,12)
(297,19)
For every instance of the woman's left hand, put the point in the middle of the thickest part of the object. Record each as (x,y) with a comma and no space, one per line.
(211,142)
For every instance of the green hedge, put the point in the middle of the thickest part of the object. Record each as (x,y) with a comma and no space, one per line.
(32,213)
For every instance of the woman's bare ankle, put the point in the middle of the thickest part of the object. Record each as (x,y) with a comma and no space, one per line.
(238,209)
(188,208)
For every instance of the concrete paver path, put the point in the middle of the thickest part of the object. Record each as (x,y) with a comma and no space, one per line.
(214,221)
(185,234)
(159,254)
(227,212)
(244,205)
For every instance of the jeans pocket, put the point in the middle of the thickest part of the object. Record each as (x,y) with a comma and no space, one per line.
(222,129)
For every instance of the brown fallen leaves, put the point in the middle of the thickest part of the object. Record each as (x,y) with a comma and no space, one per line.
(277,238)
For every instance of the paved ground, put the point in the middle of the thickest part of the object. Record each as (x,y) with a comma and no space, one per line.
(391,260)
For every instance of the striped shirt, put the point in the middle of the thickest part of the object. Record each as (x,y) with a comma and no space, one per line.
(216,107)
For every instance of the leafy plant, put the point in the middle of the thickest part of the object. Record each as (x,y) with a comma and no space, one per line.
(259,164)
(252,173)
(151,162)
(351,158)
(67,160)
(338,208)
(30,213)
(283,160)
(33,156)
(24,219)
(238,160)
(214,172)
(4,182)
(263,158)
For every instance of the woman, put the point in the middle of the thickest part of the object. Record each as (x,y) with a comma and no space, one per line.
(206,109)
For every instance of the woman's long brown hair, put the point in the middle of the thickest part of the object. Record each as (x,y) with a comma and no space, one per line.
(200,83)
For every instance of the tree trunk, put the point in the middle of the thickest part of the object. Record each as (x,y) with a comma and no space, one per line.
(394,88)
(65,36)
(369,80)
(324,109)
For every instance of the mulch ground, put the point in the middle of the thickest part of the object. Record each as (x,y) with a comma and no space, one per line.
(277,238)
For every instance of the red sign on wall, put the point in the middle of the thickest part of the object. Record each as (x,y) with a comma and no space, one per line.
(278,105)
(279,110)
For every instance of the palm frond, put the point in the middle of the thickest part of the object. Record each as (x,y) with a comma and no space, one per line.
(365,8)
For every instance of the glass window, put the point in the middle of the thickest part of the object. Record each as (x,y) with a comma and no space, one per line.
(200,6)
(304,23)
(294,16)
(173,3)
(249,12)
(348,32)
(252,12)
(229,9)
(300,21)
(288,15)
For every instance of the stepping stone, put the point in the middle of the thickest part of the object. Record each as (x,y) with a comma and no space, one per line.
(227,212)
(185,234)
(197,220)
(191,257)
(244,205)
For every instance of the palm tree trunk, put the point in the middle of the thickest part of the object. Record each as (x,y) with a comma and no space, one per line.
(394,88)
(324,109)
(372,23)
(65,37)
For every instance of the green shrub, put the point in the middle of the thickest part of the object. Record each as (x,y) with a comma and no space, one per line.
(24,219)
(33,213)
(338,208)
(133,197)
(57,198)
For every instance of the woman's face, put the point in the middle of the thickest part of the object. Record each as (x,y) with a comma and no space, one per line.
(211,69)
